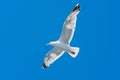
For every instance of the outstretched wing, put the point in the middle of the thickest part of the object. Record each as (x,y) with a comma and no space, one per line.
(69,26)
(51,56)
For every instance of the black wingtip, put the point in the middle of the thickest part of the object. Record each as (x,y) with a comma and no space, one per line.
(44,66)
(77,7)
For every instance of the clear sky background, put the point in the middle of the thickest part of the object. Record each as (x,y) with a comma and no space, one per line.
(27,25)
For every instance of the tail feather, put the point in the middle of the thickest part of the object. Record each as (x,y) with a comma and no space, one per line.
(73,51)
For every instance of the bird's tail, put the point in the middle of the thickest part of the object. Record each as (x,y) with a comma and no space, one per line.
(73,51)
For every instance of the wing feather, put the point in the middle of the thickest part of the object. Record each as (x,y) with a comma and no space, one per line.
(52,56)
(69,26)
(68,30)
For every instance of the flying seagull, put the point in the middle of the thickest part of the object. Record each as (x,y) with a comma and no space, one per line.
(63,43)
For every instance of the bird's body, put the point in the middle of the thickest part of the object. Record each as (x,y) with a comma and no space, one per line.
(60,45)
(63,43)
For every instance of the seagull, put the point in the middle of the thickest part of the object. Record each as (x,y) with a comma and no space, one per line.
(62,45)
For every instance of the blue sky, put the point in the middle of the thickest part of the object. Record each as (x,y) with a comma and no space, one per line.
(27,25)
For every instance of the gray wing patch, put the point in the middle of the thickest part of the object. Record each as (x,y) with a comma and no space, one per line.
(52,56)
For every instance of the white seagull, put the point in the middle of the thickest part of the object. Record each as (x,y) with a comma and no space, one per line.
(63,43)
